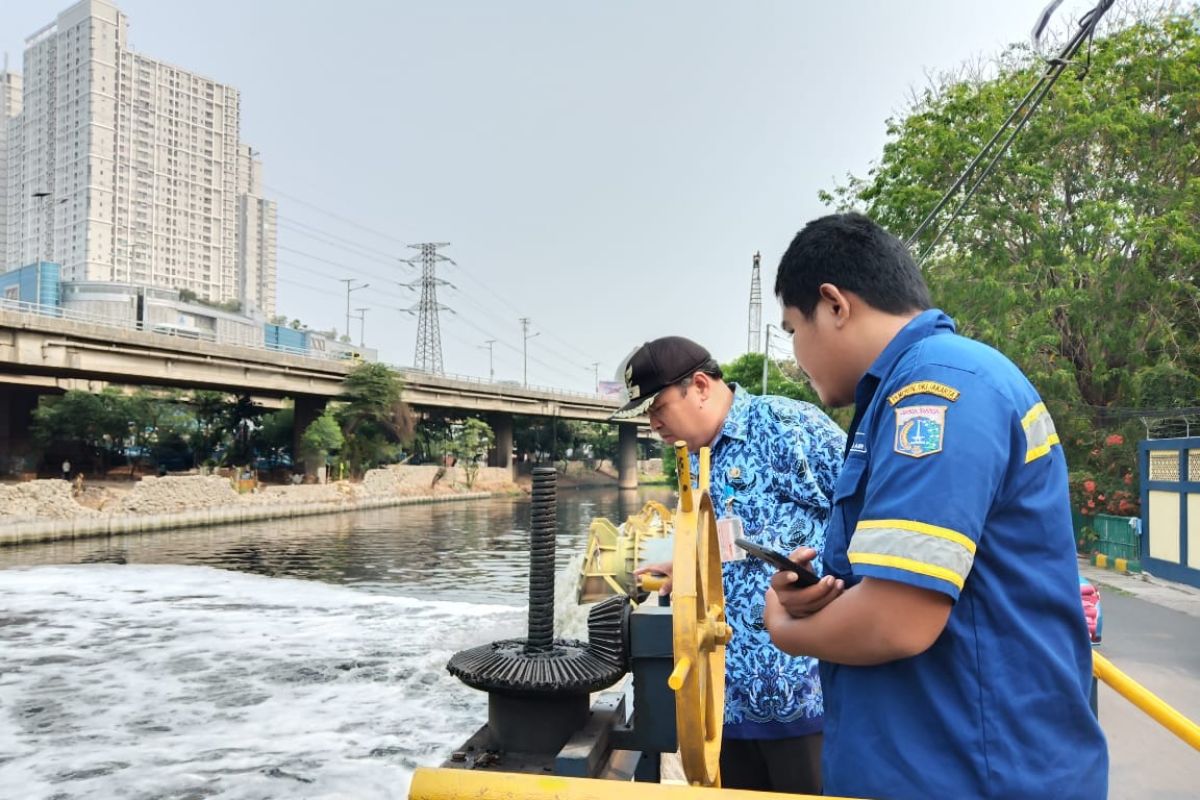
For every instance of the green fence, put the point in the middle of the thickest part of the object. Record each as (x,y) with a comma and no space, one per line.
(1118,537)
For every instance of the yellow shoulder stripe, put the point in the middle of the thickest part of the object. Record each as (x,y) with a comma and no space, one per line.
(924,387)
(920,527)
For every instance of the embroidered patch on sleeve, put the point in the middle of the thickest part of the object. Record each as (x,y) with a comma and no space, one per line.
(920,430)
(925,387)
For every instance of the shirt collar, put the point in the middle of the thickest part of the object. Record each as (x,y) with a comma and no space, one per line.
(928,323)
(736,420)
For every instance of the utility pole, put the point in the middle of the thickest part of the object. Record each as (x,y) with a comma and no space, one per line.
(350,287)
(362,325)
(596,369)
(525,348)
(490,345)
(766,357)
(428,356)
(47,232)
(755,327)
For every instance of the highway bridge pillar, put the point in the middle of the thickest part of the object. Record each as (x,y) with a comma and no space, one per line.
(16,417)
(501,454)
(627,477)
(307,409)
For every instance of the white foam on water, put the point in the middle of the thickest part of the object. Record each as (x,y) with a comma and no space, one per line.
(189,682)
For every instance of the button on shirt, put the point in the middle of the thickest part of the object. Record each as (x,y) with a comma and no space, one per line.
(955,482)
(779,458)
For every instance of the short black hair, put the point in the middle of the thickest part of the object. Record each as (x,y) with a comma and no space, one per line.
(710,368)
(854,254)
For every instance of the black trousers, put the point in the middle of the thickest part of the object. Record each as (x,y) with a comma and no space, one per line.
(773,765)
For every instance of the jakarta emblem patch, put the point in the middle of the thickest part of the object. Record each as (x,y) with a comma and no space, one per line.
(920,430)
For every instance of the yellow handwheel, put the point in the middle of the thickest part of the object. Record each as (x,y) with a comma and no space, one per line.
(699,630)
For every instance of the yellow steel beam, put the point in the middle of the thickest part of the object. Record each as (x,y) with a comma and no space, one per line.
(1147,701)
(460,784)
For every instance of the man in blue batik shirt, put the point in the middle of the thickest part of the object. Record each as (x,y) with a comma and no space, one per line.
(774,464)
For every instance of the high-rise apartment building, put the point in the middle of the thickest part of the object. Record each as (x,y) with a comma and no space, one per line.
(10,107)
(129,169)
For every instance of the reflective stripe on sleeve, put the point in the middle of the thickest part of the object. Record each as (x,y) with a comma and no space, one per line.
(914,547)
(1040,434)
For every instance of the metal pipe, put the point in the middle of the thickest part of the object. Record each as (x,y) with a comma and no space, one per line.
(1146,700)
(486,784)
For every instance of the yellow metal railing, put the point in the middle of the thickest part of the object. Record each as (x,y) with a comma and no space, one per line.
(1146,700)
(456,784)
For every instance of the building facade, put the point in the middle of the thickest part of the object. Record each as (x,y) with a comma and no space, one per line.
(10,108)
(128,169)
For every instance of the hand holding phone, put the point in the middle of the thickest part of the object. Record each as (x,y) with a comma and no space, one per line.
(779,561)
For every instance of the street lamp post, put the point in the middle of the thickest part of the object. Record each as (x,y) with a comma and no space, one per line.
(490,345)
(525,350)
(44,198)
(766,355)
(362,325)
(350,287)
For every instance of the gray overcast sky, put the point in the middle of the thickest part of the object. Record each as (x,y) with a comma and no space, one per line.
(606,169)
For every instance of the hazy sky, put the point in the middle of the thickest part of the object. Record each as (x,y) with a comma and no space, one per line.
(606,169)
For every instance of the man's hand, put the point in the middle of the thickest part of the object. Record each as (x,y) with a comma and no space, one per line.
(801,601)
(662,568)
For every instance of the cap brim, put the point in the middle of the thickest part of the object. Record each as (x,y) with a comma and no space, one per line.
(635,408)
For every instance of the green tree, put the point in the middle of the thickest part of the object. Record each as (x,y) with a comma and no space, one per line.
(746,371)
(1078,256)
(210,433)
(90,427)
(373,416)
(471,443)
(322,437)
(160,426)
(239,422)
(598,439)
(274,435)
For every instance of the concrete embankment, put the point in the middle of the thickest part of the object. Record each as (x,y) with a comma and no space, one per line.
(49,509)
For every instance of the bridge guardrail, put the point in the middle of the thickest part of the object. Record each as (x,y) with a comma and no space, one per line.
(57,312)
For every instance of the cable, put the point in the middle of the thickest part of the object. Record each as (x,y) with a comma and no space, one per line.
(338,217)
(487,287)
(1034,98)
(344,239)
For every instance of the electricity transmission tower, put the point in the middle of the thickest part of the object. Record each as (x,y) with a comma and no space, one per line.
(754,342)
(428,357)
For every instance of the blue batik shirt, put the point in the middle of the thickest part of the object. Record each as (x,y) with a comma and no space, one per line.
(778,460)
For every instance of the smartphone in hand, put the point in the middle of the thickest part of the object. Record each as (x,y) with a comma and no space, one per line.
(779,561)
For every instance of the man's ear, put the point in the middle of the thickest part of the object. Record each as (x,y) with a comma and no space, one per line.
(703,383)
(838,302)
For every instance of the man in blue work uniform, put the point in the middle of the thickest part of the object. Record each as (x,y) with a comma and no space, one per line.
(774,463)
(954,654)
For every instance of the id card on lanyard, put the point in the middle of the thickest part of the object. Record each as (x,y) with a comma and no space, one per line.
(729,528)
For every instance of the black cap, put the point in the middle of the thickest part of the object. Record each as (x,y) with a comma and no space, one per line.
(656,365)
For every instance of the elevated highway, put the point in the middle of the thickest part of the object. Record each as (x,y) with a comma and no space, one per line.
(42,353)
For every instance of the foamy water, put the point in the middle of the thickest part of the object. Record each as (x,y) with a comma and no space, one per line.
(140,681)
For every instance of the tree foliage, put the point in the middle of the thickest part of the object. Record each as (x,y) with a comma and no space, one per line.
(322,437)
(373,416)
(471,443)
(747,371)
(1077,258)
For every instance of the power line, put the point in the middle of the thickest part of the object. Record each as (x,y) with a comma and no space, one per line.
(339,242)
(492,293)
(338,217)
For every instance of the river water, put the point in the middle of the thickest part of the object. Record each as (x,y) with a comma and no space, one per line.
(294,658)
